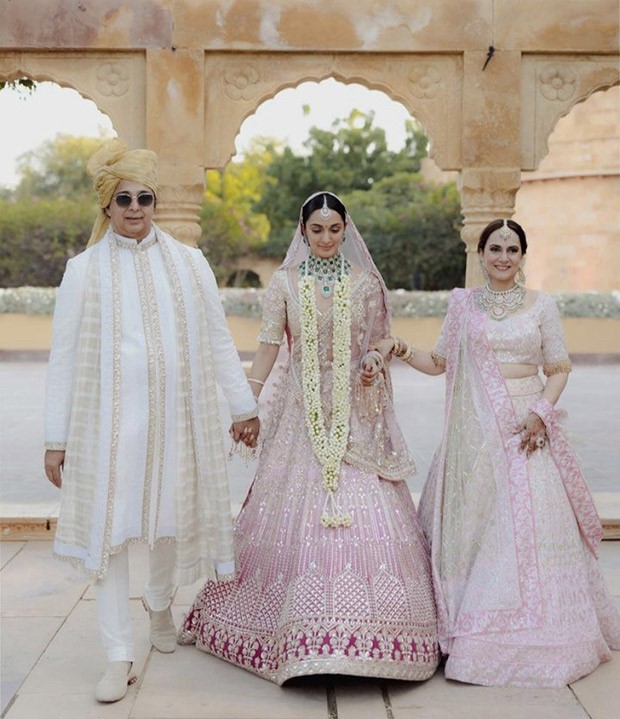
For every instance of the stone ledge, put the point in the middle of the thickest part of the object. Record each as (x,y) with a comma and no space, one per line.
(22,529)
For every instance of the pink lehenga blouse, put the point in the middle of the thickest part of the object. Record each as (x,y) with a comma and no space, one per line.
(310,599)
(520,597)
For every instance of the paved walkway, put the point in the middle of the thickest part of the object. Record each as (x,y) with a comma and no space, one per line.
(51,660)
(592,400)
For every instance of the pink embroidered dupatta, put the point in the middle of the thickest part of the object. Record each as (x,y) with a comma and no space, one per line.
(476,507)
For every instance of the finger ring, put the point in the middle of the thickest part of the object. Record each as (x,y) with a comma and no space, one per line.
(540,442)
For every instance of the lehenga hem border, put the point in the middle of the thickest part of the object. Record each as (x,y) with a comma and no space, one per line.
(378,669)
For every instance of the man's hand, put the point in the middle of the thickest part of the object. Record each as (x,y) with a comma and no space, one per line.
(54,461)
(246,431)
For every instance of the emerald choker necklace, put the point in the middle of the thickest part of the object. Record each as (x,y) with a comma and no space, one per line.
(325,271)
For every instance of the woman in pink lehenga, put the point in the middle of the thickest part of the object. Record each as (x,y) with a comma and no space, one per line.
(333,571)
(521,600)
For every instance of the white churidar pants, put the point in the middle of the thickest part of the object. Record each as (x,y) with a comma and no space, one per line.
(112,595)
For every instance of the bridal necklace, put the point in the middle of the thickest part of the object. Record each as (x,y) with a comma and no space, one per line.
(500,303)
(325,271)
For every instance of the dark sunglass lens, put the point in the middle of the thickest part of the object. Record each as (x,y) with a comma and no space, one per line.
(145,199)
(123,199)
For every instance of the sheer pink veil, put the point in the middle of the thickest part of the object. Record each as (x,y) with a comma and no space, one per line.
(355,250)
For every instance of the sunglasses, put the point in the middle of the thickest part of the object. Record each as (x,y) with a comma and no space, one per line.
(124,199)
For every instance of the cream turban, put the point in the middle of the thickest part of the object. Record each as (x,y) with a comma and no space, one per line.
(112,162)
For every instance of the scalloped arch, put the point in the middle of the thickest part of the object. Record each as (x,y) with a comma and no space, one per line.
(239,85)
(578,100)
(370,87)
(79,73)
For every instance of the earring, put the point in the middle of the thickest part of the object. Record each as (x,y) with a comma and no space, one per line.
(484,271)
(520,279)
(305,239)
(344,236)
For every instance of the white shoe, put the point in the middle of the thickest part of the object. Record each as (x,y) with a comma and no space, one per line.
(163,634)
(113,684)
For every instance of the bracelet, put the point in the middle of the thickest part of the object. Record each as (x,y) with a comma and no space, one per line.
(256,381)
(403,350)
(409,352)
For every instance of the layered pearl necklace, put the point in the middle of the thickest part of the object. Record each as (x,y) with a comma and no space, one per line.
(500,303)
(329,447)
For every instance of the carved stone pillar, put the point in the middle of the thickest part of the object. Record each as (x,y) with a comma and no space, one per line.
(179,199)
(487,194)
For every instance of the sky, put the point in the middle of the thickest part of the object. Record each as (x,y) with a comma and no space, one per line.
(26,121)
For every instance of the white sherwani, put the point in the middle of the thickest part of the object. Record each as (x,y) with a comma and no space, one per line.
(139,341)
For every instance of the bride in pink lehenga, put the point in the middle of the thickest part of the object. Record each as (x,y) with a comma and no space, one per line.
(521,600)
(333,571)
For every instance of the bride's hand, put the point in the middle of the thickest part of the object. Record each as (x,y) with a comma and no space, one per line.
(371,366)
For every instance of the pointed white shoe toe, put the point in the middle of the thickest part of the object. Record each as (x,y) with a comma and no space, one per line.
(113,684)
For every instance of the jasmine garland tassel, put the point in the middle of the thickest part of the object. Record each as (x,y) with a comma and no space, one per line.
(329,447)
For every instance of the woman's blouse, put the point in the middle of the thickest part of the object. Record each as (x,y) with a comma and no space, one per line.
(375,443)
(532,336)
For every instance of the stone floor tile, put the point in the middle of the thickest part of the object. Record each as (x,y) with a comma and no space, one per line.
(74,661)
(62,705)
(439,698)
(22,642)
(36,584)
(194,685)
(599,693)
(8,550)
(360,698)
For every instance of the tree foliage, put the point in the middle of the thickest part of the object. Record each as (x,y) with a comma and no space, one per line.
(412,231)
(38,236)
(56,168)
(353,155)
(251,207)
(230,227)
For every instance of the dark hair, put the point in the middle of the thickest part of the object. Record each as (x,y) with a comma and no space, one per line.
(496,225)
(316,202)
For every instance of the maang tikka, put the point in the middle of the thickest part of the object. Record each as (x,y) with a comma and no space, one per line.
(505,231)
(325,211)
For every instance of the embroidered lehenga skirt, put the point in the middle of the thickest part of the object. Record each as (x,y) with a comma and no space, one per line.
(519,606)
(314,600)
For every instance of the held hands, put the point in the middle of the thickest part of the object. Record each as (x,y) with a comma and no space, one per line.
(371,367)
(246,432)
(533,433)
(54,462)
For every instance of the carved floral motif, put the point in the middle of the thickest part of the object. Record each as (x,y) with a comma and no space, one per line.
(557,83)
(112,79)
(425,81)
(240,83)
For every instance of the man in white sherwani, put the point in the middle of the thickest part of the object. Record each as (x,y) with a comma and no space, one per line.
(132,423)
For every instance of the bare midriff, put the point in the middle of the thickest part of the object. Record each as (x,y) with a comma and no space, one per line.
(518,371)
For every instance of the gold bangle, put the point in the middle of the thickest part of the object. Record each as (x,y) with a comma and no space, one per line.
(256,381)
(409,352)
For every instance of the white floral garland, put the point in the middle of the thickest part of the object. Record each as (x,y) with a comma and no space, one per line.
(328,448)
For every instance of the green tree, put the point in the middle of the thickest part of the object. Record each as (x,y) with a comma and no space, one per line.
(56,168)
(38,236)
(412,231)
(352,155)
(231,228)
